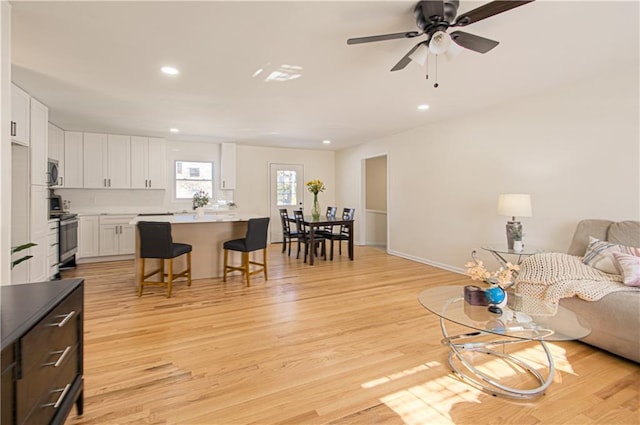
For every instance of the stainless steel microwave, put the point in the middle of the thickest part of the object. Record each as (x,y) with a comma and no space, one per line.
(52,172)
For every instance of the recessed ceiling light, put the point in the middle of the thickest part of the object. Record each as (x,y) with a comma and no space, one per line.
(326,142)
(169,70)
(174,130)
(423,107)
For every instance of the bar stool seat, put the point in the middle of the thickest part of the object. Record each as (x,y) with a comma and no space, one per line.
(156,243)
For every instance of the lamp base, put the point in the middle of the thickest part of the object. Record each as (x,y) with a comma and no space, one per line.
(513,227)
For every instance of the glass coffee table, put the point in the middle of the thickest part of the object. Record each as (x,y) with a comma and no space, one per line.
(491,331)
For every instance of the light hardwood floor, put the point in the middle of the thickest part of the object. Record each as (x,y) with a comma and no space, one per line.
(341,342)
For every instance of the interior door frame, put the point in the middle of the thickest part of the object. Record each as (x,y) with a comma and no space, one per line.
(271,201)
(363,199)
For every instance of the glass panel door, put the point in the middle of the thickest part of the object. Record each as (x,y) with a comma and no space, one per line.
(286,188)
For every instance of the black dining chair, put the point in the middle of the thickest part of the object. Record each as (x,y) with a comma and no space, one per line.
(288,235)
(327,230)
(343,235)
(255,239)
(304,237)
(156,242)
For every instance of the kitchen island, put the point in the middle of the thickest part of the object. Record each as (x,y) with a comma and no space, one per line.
(206,235)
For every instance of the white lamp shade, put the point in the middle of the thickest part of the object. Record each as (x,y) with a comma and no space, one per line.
(439,43)
(514,205)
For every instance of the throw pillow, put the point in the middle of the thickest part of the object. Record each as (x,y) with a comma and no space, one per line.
(630,268)
(599,255)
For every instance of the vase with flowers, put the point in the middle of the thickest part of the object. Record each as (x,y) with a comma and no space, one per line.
(498,281)
(200,200)
(315,186)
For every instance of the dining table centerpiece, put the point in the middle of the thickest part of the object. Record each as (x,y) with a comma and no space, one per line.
(315,186)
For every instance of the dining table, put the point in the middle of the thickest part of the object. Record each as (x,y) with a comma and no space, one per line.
(324,221)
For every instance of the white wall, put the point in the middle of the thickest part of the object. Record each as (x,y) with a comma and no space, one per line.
(252,188)
(575,149)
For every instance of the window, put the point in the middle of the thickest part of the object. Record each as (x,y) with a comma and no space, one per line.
(286,188)
(192,176)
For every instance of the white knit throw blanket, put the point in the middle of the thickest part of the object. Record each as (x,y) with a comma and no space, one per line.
(545,278)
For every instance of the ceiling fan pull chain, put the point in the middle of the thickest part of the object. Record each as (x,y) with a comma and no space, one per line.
(426,66)
(436,83)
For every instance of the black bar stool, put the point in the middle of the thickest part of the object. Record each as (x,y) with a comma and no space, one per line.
(255,239)
(156,242)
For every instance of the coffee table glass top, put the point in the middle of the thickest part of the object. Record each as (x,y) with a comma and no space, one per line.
(502,249)
(448,303)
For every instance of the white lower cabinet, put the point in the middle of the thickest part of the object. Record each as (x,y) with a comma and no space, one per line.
(39,234)
(117,236)
(88,236)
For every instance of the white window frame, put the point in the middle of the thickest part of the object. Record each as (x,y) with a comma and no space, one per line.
(176,179)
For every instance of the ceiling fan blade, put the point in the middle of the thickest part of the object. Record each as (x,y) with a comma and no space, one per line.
(406,60)
(360,40)
(432,8)
(473,42)
(488,10)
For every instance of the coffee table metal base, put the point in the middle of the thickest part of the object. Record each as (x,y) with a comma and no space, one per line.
(488,383)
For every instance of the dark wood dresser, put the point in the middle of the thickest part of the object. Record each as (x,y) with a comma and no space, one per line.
(42,351)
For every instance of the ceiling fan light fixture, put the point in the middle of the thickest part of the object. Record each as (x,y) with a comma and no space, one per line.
(439,43)
(420,55)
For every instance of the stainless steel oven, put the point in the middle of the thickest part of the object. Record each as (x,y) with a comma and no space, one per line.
(68,239)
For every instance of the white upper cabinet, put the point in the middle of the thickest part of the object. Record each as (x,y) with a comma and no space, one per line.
(56,150)
(95,160)
(73,159)
(228,166)
(119,161)
(39,142)
(107,161)
(147,163)
(20,111)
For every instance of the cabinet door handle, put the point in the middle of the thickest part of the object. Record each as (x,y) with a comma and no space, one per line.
(13,128)
(223,183)
(60,359)
(109,182)
(64,321)
(61,181)
(64,390)
(104,182)
(149,182)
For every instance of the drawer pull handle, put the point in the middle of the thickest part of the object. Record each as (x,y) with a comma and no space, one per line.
(60,359)
(64,390)
(64,321)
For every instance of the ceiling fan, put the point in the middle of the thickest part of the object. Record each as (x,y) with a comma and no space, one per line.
(435,17)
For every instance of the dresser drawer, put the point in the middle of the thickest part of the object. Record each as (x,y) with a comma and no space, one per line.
(58,330)
(43,392)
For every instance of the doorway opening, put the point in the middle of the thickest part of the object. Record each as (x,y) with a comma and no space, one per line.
(375,201)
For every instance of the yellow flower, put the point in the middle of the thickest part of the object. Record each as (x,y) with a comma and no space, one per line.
(315,186)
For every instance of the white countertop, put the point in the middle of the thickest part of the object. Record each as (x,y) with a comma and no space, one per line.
(193,219)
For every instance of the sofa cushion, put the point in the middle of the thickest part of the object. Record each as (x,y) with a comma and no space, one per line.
(624,233)
(629,267)
(599,255)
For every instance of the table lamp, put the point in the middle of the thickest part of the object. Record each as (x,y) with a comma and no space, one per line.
(514,205)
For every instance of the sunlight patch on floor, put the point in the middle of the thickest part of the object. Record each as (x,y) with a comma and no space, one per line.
(431,402)
(398,375)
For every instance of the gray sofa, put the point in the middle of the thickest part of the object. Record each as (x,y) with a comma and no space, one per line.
(614,319)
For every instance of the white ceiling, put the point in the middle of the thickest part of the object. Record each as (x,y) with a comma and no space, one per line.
(96,65)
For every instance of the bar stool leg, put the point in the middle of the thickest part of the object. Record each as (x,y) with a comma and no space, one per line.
(226,259)
(170,277)
(264,263)
(141,277)
(188,268)
(245,266)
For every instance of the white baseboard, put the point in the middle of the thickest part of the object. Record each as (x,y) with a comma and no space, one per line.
(428,262)
(105,259)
